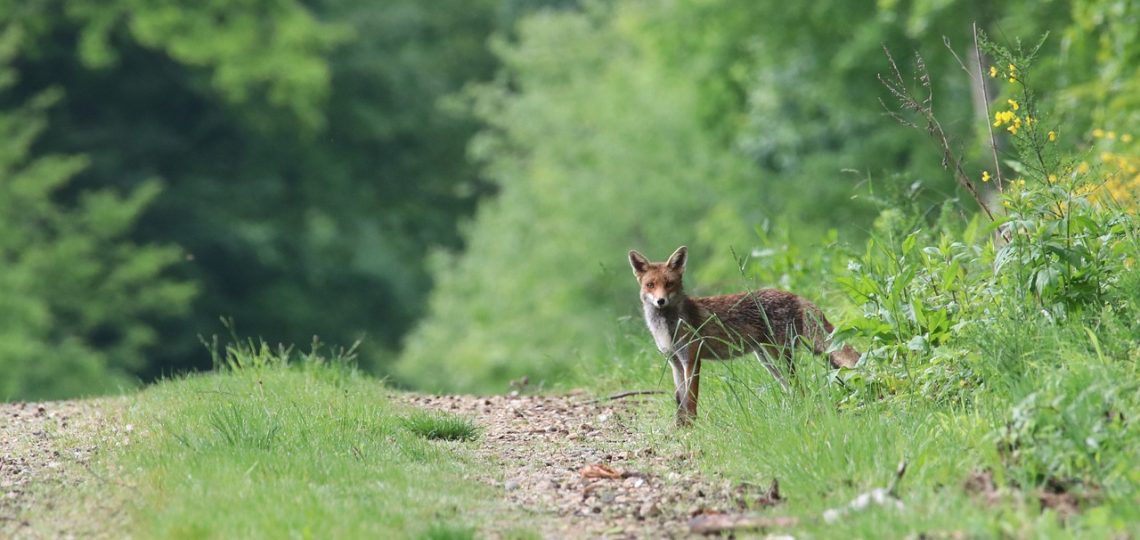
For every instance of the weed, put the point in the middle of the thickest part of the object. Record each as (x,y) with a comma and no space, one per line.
(441,426)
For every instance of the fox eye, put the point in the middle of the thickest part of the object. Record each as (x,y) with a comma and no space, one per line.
(668,284)
(649,284)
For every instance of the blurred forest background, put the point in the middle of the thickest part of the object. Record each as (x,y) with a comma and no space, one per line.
(457,183)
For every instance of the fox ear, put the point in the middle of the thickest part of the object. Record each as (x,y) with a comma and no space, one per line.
(678,258)
(638,262)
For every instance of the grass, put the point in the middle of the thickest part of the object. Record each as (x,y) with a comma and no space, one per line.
(824,456)
(441,426)
(312,450)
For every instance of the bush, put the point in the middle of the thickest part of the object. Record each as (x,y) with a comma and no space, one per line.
(953,307)
(1076,432)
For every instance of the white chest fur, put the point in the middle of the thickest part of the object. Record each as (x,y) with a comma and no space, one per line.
(660,328)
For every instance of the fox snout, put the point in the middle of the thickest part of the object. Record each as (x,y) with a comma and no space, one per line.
(654,300)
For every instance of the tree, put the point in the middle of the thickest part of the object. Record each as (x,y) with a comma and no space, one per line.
(77,297)
(307,164)
(594,149)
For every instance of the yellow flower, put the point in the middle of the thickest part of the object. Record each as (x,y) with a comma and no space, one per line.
(1083,167)
(1110,135)
(1014,123)
(1098,133)
(1006,117)
(1052,178)
(1052,136)
(985,176)
(1013,104)
(993,72)
(1126,137)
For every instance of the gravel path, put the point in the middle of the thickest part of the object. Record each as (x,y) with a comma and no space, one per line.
(572,468)
(579,470)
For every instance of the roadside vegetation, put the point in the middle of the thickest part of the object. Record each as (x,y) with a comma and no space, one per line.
(282,444)
(999,348)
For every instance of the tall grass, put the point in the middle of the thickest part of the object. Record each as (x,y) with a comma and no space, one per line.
(268,448)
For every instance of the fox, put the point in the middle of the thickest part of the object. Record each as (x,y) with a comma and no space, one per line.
(688,329)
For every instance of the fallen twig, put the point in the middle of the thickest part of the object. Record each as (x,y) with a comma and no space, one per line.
(623,395)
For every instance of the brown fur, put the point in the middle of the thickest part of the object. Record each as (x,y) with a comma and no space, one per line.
(768,322)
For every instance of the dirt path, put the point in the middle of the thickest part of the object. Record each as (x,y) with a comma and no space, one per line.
(572,468)
(580,471)
(44,451)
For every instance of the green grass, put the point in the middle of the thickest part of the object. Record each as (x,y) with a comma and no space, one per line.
(825,455)
(265,450)
(441,426)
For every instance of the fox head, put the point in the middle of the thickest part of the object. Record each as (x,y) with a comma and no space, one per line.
(660,282)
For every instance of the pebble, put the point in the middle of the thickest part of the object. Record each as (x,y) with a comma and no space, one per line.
(648,509)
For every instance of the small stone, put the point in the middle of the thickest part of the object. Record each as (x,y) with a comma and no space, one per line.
(648,509)
(511,485)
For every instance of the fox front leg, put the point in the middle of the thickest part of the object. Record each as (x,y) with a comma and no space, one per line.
(679,385)
(687,384)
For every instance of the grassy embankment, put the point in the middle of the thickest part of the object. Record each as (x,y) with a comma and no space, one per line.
(309,449)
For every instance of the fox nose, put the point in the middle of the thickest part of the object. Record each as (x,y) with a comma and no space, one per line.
(660,302)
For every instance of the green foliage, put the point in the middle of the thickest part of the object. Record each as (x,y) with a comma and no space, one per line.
(270,49)
(77,295)
(771,108)
(1005,349)
(1075,432)
(307,164)
(935,295)
(595,149)
(1013,314)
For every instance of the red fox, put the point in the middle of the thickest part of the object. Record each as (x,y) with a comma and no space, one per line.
(766,322)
